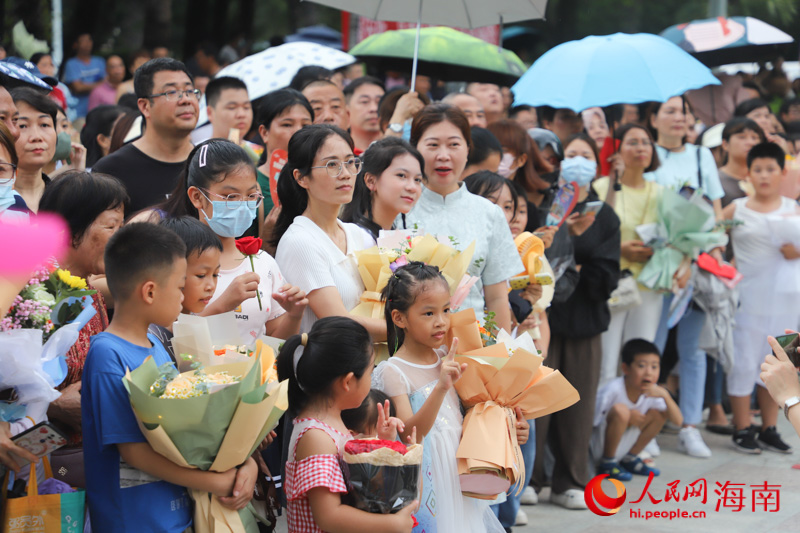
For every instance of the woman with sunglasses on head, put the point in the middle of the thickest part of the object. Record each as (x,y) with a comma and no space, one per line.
(315,248)
(218,186)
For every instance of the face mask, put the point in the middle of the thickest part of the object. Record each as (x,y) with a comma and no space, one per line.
(63,146)
(579,170)
(7,195)
(227,222)
(505,169)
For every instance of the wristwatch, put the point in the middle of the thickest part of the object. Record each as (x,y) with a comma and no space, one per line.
(396,127)
(791,402)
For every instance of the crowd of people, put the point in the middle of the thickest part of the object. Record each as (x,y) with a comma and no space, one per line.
(154,206)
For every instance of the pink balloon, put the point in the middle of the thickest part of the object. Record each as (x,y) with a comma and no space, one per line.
(25,247)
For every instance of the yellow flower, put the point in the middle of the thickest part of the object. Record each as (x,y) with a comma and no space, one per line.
(75,282)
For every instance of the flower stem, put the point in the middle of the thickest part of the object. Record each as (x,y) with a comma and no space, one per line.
(258,295)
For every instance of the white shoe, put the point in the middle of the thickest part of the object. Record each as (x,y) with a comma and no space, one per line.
(522,518)
(653,448)
(569,499)
(529,496)
(691,442)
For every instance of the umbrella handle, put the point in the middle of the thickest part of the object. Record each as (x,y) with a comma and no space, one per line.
(416,50)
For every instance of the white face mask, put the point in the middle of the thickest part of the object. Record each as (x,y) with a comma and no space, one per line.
(507,168)
(7,195)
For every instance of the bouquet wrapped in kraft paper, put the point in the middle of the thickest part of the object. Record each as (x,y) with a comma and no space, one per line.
(498,379)
(216,427)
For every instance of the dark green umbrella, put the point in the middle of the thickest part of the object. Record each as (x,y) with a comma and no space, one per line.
(444,53)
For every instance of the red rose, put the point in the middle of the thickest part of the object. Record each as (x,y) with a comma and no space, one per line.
(249,245)
(354,447)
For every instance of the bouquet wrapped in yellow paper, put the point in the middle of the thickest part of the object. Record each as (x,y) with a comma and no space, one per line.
(216,430)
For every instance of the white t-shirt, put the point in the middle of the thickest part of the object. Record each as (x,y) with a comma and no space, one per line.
(614,392)
(250,319)
(311,260)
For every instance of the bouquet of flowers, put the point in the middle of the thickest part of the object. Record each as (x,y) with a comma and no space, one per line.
(382,476)
(212,419)
(499,378)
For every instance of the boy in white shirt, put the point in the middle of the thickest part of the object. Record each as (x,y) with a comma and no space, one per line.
(630,411)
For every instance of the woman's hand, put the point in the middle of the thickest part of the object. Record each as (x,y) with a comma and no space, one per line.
(8,447)
(790,252)
(78,156)
(292,299)
(532,293)
(407,108)
(779,374)
(522,426)
(549,233)
(636,251)
(578,223)
(67,408)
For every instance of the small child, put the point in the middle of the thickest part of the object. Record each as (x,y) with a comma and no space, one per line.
(329,371)
(376,411)
(630,411)
(130,487)
(768,293)
(203,250)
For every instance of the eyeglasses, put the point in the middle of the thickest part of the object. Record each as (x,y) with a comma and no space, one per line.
(7,171)
(335,166)
(252,201)
(173,95)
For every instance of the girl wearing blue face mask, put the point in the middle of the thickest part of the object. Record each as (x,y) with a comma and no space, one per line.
(219,187)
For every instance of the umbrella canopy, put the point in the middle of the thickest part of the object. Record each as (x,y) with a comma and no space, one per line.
(611,69)
(457,13)
(318,34)
(275,67)
(444,53)
(719,41)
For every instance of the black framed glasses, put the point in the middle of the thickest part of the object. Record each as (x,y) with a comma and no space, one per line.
(252,201)
(7,172)
(334,166)
(174,95)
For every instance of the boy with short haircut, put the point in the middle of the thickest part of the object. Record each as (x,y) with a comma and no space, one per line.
(203,250)
(630,411)
(131,487)
(768,292)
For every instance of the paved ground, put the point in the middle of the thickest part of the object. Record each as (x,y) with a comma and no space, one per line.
(726,465)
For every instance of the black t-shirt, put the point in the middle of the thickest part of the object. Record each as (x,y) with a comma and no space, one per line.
(148,180)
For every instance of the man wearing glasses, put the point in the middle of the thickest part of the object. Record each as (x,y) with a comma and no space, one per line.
(149,166)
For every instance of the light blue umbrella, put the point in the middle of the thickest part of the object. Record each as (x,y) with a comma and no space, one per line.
(611,69)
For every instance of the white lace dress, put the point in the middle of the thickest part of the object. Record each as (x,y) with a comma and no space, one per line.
(442,508)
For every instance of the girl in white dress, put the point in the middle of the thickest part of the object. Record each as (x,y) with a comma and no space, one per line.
(420,379)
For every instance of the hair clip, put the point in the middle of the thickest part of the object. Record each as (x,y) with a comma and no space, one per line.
(203,155)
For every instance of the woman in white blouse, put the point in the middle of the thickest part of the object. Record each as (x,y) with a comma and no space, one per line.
(442,135)
(316,249)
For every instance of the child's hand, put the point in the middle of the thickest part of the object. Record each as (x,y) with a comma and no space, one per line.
(267,441)
(637,419)
(292,299)
(244,484)
(790,252)
(403,522)
(388,426)
(242,288)
(412,439)
(654,390)
(523,428)
(451,371)
(549,233)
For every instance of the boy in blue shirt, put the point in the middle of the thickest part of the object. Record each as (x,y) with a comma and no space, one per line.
(130,487)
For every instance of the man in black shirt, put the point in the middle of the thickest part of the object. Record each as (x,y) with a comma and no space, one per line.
(149,166)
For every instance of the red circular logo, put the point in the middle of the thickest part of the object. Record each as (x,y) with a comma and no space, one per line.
(596,499)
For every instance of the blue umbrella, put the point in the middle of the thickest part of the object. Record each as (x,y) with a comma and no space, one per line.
(611,69)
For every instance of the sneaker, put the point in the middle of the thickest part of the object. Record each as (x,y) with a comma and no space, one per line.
(691,443)
(769,439)
(522,518)
(653,448)
(647,459)
(638,467)
(569,499)
(529,496)
(744,440)
(614,471)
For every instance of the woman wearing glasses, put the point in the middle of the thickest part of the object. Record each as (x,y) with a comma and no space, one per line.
(12,206)
(315,248)
(218,186)
(442,135)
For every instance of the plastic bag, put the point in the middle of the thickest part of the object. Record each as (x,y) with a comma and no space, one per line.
(381,476)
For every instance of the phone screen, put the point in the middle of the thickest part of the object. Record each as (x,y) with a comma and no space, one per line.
(790,343)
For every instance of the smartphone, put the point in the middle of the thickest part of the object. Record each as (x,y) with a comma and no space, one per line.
(592,207)
(40,440)
(790,343)
(539,234)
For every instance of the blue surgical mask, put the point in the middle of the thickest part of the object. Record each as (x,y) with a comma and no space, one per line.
(578,170)
(230,219)
(7,195)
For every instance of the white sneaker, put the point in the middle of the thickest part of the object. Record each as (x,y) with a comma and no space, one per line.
(691,442)
(522,518)
(569,499)
(529,496)
(653,448)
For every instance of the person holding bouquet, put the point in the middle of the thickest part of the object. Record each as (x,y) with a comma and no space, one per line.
(329,371)
(420,379)
(131,487)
